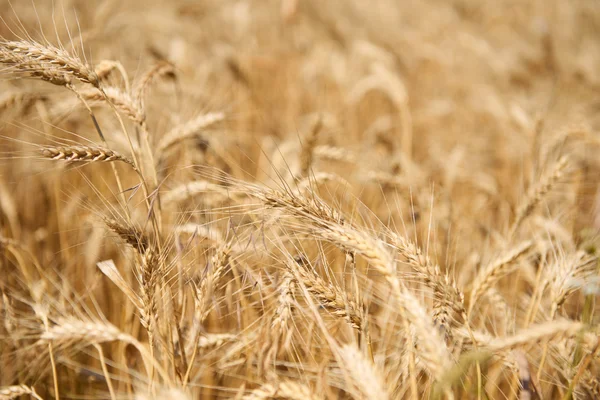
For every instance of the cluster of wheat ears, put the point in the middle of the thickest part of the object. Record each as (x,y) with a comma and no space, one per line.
(299,199)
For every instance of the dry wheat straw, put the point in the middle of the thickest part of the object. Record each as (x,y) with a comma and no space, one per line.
(105,67)
(524,376)
(109,269)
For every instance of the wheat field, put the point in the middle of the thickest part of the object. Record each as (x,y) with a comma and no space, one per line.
(299,199)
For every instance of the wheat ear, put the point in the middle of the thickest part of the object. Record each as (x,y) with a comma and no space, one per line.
(547,331)
(36,58)
(285,299)
(130,234)
(327,224)
(363,374)
(329,296)
(162,68)
(188,130)
(498,268)
(121,100)
(284,389)
(12,392)
(84,154)
(308,145)
(538,192)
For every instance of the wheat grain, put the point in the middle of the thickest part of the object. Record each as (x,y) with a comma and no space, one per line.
(284,389)
(538,192)
(129,233)
(12,392)
(42,60)
(363,374)
(329,296)
(83,154)
(498,268)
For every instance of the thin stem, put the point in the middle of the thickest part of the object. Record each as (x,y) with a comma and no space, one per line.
(105,371)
